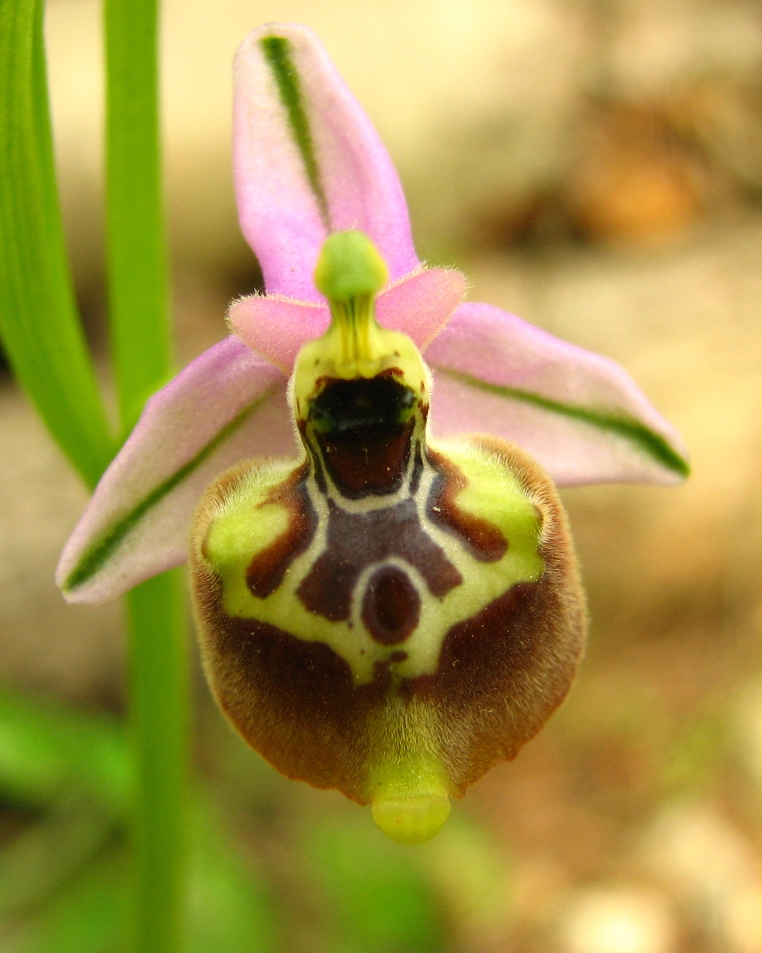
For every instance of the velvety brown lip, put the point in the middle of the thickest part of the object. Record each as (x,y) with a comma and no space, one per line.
(498,676)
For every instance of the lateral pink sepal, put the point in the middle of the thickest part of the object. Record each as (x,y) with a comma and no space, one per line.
(579,414)
(226,406)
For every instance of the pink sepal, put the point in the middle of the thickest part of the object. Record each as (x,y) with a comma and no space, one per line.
(279,209)
(581,415)
(177,432)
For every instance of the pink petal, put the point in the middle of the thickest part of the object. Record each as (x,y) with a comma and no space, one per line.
(308,162)
(421,304)
(277,327)
(581,415)
(225,406)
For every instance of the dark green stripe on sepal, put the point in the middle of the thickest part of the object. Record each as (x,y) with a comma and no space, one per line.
(645,440)
(101,551)
(278,53)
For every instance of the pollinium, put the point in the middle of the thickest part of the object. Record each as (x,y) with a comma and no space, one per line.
(388,615)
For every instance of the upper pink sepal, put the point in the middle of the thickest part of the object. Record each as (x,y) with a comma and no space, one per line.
(225,406)
(579,414)
(308,162)
(277,327)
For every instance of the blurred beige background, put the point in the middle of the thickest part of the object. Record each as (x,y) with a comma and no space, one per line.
(595,167)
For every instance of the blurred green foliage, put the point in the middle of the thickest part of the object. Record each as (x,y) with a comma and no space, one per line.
(375,895)
(65,792)
(65,777)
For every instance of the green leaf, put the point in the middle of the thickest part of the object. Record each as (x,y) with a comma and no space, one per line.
(39,324)
(230,908)
(47,749)
(373,890)
(46,855)
(75,765)
(136,253)
(89,916)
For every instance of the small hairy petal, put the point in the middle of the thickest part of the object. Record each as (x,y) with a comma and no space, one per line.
(228,404)
(421,304)
(277,327)
(579,414)
(308,162)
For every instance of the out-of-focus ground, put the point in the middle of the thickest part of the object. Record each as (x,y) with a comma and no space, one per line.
(595,167)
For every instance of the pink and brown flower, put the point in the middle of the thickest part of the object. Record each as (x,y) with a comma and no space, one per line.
(385,605)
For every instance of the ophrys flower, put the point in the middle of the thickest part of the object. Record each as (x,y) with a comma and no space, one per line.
(379,613)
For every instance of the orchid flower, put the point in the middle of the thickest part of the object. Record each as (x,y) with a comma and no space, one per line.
(385,605)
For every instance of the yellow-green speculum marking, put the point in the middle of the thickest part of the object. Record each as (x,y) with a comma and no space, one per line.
(340,598)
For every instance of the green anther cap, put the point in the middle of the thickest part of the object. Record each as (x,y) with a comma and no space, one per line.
(350,266)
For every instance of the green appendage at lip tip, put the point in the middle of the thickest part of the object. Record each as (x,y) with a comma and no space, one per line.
(413,820)
(278,54)
(98,554)
(409,792)
(411,809)
(646,440)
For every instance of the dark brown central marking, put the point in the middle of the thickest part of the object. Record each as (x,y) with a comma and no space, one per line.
(363,428)
(357,540)
(267,569)
(371,462)
(391,607)
(482,539)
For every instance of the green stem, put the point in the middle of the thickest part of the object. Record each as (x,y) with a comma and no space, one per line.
(137,261)
(159,704)
(39,323)
(137,275)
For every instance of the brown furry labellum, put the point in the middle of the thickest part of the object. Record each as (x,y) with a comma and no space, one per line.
(385,617)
